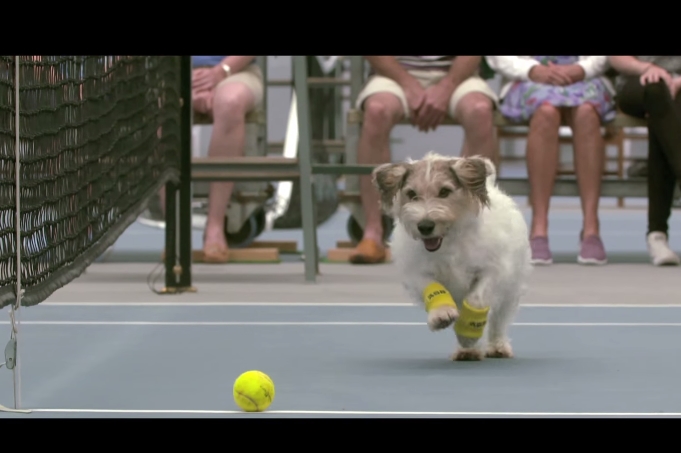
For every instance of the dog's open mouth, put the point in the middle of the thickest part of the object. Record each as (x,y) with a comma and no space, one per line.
(432,244)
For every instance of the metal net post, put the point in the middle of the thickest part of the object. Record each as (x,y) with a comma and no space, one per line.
(12,360)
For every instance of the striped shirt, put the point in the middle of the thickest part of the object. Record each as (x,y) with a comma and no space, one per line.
(426,63)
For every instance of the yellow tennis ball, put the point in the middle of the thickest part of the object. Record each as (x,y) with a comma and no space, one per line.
(253,391)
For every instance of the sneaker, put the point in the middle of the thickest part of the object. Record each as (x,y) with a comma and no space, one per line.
(541,254)
(660,253)
(368,252)
(592,251)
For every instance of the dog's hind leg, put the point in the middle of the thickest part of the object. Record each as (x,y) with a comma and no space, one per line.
(498,343)
(470,325)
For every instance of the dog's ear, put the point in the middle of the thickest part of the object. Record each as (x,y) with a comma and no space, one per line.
(389,179)
(471,174)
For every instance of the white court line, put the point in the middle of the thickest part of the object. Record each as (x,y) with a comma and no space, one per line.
(322,304)
(329,323)
(411,414)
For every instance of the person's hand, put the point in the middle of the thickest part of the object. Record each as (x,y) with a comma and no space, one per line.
(208,78)
(434,107)
(548,75)
(202,101)
(573,72)
(198,75)
(415,95)
(654,74)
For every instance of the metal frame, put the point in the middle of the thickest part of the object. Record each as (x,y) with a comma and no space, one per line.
(178,231)
(302,168)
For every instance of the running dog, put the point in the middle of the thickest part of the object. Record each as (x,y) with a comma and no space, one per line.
(461,247)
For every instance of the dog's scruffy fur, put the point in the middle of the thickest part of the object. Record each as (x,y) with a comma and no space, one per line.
(478,248)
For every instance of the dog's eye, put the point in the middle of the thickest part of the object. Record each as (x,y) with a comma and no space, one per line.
(411,194)
(444,192)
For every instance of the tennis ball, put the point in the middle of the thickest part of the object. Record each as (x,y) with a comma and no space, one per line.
(253,391)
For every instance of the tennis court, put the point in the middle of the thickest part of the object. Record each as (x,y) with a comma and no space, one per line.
(105,346)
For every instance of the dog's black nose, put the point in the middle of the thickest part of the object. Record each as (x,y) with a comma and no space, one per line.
(426,227)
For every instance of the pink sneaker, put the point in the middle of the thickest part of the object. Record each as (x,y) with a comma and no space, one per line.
(592,251)
(541,253)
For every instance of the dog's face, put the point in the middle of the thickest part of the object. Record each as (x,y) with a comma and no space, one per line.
(430,195)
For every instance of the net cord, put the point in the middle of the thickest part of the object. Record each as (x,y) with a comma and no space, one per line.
(14,309)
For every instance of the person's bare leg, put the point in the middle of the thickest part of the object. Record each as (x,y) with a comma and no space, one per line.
(231,103)
(381,112)
(589,149)
(542,164)
(475,112)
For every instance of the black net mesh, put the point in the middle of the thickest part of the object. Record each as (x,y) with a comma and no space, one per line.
(8,272)
(99,136)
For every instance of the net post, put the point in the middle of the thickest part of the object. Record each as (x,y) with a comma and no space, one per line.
(12,349)
(178,240)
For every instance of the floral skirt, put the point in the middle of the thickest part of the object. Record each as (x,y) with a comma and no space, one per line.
(523,98)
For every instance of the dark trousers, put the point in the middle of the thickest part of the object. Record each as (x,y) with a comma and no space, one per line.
(664,144)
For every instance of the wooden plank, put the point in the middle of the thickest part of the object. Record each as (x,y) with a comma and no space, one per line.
(256,116)
(282,246)
(621,120)
(247,255)
(342,255)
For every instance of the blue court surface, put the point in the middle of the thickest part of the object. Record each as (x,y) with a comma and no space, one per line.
(101,349)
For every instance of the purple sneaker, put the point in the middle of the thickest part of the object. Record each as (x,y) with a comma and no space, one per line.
(592,251)
(541,254)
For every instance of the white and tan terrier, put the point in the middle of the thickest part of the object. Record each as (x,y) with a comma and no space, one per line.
(461,246)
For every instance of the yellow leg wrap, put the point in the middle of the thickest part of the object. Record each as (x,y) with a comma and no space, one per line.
(471,322)
(435,295)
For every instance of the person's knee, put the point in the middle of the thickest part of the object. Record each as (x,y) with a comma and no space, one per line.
(476,112)
(586,117)
(475,107)
(231,103)
(381,112)
(656,97)
(657,90)
(546,118)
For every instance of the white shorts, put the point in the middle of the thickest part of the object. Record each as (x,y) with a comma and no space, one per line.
(380,84)
(252,77)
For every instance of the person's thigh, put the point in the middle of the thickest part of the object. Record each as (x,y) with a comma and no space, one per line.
(249,81)
(473,84)
(630,97)
(387,88)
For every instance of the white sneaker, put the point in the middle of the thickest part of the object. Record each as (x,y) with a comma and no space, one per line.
(660,253)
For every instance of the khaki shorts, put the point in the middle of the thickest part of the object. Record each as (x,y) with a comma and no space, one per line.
(379,84)
(252,77)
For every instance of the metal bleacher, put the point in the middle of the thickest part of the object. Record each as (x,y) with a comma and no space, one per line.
(265,168)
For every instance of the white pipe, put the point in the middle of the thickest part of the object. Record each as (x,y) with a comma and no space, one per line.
(285,188)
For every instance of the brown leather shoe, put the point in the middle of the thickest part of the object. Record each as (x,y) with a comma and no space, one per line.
(368,252)
(214,254)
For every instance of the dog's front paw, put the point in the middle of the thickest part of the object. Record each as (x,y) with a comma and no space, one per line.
(442,317)
(499,351)
(467,355)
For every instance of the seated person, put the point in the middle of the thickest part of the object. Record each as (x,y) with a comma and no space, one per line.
(227,88)
(648,87)
(423,89)
(542,90)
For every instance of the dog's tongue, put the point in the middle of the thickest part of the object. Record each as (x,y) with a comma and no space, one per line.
(432,244)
